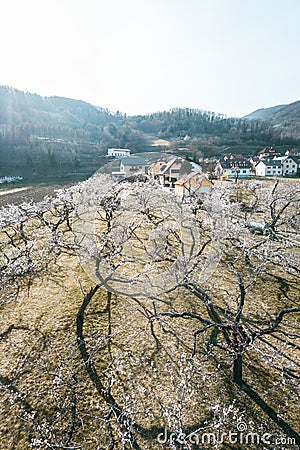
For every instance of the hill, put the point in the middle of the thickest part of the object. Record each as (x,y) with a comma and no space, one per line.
(208,133)
(18,107)
(55,136)
(44,137)
(285,117)
(264,113)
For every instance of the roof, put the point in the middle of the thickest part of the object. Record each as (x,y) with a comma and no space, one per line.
(280,158)
(267,150)
(170,164)
(294,151)
(133,160)
(189,177)
(271,162)
(157,165)
(239,163)
(294,158)
(126,150)
(233,156)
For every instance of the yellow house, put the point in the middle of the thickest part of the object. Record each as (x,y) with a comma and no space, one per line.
(194,182)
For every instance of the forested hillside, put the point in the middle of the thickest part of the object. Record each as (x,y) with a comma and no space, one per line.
(56,136)
(208,132)
(284,117)
(42,136)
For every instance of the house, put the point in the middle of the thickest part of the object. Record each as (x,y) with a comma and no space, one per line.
(168,172)
(233,168)
(132,165)
(118,152)
(279,166)
(290,166)
(155,168)
(268,153)
(192,183)
(254,160)
(279,158)
(293,152)
(232,156)
(269,168)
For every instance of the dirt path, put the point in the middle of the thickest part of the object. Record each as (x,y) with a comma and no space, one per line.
(12,191)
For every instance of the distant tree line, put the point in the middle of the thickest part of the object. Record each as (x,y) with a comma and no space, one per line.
(64,134)
(180,122)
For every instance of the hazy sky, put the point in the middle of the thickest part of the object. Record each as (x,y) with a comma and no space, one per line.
(139,56)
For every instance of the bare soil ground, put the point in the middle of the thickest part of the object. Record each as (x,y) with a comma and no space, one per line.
(26,194)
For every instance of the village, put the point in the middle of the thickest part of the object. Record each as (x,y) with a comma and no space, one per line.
(170,172)
(267,163)
(185,177)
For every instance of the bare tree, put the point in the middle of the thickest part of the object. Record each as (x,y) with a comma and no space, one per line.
(267,331)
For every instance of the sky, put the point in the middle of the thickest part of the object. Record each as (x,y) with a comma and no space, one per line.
(143,56)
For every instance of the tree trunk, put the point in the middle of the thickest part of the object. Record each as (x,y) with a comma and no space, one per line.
(238,369)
